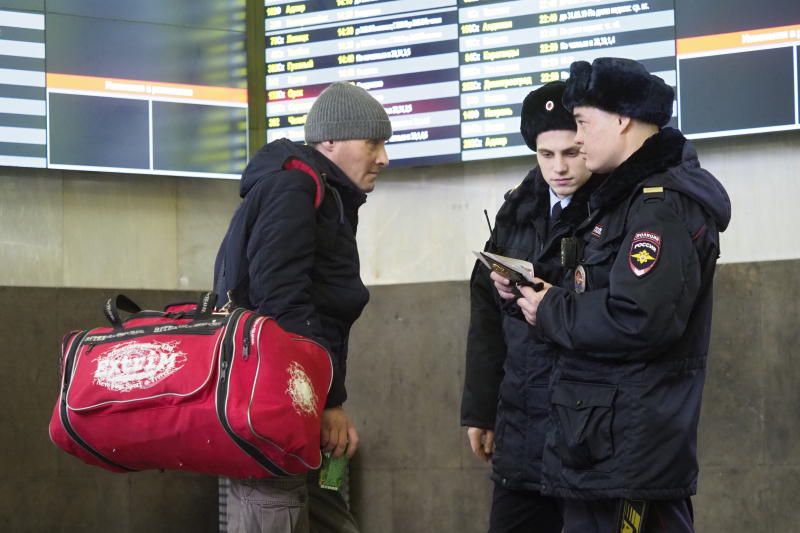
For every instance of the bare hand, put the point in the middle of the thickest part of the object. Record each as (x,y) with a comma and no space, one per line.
(529,303)
(504,287)
(338,433)
(482,442)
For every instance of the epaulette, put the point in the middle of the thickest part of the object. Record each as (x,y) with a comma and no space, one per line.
(511,191)
(653,193)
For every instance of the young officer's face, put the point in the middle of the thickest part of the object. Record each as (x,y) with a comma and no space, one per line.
(560,161)
(599,138)
(361,159)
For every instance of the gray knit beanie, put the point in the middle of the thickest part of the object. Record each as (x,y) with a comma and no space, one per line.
(345,111)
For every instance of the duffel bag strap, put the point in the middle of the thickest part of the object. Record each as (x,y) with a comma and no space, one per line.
(205,307)
(113,307)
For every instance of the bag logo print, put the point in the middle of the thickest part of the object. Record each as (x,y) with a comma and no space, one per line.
(645,250)
(301,390)
(138,365)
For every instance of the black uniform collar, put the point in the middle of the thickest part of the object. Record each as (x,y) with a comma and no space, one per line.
(531,200)
(658,153)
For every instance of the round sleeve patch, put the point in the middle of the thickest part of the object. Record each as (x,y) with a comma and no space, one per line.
(645,250)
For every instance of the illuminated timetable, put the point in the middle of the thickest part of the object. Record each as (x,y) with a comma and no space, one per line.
(23,122)
(451,74)
(407,59)
(507,49)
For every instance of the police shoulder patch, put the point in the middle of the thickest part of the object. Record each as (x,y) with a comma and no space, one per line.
(645,250)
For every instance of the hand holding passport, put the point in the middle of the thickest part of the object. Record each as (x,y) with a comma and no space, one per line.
(518,271)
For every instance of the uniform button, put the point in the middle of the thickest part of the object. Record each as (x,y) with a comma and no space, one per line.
(579,403)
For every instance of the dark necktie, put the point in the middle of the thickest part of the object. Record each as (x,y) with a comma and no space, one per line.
(555,212)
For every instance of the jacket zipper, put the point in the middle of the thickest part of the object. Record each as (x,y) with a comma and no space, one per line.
(228,349)
(64,413)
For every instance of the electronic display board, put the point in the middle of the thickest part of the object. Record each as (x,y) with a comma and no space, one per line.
(451,74)
(738,66)
(23,101)
(160,87)
(510,48)
(140,87)
(405,53)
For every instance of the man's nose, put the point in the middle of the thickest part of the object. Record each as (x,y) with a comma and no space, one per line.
(383,158)
(561,165)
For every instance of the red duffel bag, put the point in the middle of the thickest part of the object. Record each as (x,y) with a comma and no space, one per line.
(191,389)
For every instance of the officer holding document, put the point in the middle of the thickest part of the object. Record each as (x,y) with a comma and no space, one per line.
(504,403)
(632,336)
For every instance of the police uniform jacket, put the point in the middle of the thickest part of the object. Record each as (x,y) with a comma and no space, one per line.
(507,370)
(627,385)
(290,250)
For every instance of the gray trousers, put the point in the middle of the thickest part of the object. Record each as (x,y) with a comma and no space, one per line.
(287,505)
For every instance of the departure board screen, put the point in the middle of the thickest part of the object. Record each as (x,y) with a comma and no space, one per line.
(405,53)
(738,66)
(146,87)
(451,75)
(160,87)
(23,102)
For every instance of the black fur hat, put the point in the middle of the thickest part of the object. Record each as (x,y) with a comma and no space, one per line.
(622,86)
(542,111)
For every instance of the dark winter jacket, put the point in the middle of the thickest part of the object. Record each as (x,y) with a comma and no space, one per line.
(626,389)
(285,257)
(507,369)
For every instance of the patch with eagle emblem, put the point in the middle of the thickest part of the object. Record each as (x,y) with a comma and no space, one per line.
(645,250)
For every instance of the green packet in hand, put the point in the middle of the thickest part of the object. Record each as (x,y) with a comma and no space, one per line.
(332,471)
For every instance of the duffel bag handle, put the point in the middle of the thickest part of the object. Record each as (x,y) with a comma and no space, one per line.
(117,303)
(205,307)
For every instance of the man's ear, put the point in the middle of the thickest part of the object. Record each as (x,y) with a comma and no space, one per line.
(623,123)
(326,147)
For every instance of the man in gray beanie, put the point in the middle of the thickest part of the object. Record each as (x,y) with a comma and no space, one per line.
(632,336)
(290,253)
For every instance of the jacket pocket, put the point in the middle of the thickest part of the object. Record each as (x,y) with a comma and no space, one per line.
(597,263)
(584,413)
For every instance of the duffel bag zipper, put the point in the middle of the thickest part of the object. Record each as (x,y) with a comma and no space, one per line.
(209,327)
(248,333)
(228,350)
(63,411)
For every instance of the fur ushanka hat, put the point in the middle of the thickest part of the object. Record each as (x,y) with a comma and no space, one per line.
(542,111)
(622,86)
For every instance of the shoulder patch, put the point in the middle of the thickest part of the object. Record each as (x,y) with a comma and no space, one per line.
(645,251)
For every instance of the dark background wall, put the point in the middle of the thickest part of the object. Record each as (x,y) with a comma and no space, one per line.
(414,471)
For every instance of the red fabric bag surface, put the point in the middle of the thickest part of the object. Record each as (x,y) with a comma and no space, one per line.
(225,394)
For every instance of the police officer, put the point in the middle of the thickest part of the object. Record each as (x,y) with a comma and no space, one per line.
(633,335)
(503,362)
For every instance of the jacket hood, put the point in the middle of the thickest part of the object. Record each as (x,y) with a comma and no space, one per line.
(270,158)
(670,155)
(273,156)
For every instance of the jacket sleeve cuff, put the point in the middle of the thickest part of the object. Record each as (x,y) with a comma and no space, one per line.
(338,393)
